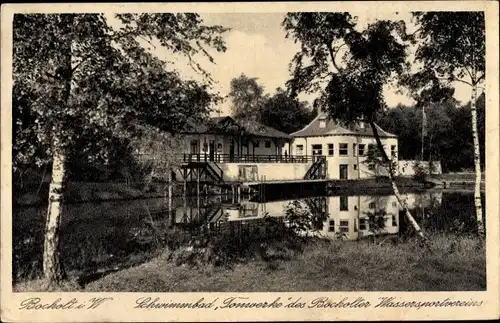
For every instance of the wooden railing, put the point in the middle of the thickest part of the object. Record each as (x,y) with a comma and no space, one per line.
(226,158)
(213,167)
(318,168)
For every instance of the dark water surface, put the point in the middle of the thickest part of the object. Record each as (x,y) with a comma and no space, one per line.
(103,234)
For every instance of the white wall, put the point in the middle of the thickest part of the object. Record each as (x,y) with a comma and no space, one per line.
(271,171)
(407,167)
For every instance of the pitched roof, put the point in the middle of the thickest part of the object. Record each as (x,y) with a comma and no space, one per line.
(227,125)
(258,129)
(332,127)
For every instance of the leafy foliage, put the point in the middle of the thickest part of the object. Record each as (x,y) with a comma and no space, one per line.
(280,110)
(77,79)
(247,97)
(353,90)
(448,137)
(285,113)
(452,44)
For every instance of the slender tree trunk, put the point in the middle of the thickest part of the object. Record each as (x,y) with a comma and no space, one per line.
(170,193)
(395,188)
(477,164)
(52,269)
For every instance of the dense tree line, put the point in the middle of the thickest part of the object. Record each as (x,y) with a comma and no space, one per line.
(447,134)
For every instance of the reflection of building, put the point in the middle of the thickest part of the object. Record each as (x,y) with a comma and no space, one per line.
(351,217)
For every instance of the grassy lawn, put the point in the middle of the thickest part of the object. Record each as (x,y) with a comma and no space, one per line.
(456,263)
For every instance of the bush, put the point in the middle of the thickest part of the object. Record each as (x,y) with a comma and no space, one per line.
(420,172)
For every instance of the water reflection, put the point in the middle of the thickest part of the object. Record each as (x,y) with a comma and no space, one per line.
(111,233)
(349,217)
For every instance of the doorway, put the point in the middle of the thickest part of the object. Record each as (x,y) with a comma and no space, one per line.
(231,151)
(211,150)
(343,171)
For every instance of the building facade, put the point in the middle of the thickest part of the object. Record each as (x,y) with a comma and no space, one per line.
(345,148)
(226,140)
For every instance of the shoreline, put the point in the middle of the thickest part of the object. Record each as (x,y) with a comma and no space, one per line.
(84,192)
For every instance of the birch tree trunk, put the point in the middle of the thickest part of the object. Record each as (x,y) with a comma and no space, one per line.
(477,164)
(395,188)
(169,194)
(52,269)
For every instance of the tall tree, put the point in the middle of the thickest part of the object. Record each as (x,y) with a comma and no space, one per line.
(354,89)
(451,45)
(75,76)
(285,113)
(247,96)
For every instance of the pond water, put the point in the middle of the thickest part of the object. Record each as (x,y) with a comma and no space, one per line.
(94,235)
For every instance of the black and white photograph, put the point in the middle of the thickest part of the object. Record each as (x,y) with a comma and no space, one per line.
(257,150)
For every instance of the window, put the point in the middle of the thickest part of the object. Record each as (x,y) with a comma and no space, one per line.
(394,204)
(205,146)
(372,205)
(372,148)
(394,223)
(355,167)
(322,123)
(317,150)
(331,226)
(300,149)
(330,150)
(219,147)
(343,149)
(344,203)
(371,167)
(362,224)
(256,144)
(354,149)
(344,226)
(194,146)
(361,150)
(267,144)
(393,151)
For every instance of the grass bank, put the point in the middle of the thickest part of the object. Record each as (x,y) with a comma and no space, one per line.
(456,264)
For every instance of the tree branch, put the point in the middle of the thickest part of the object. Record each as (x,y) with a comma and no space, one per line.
(81,62)
(481,77)
(149,42)
(334,55)
(452,78)
(470,74)
(459,80)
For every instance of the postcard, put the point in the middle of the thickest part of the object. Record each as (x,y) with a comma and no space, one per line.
(240,161)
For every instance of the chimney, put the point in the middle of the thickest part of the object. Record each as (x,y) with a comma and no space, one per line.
(318,108)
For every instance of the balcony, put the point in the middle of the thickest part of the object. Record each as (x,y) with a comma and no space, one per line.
(227,158)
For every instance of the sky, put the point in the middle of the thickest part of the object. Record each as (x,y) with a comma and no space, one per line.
(257,47)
